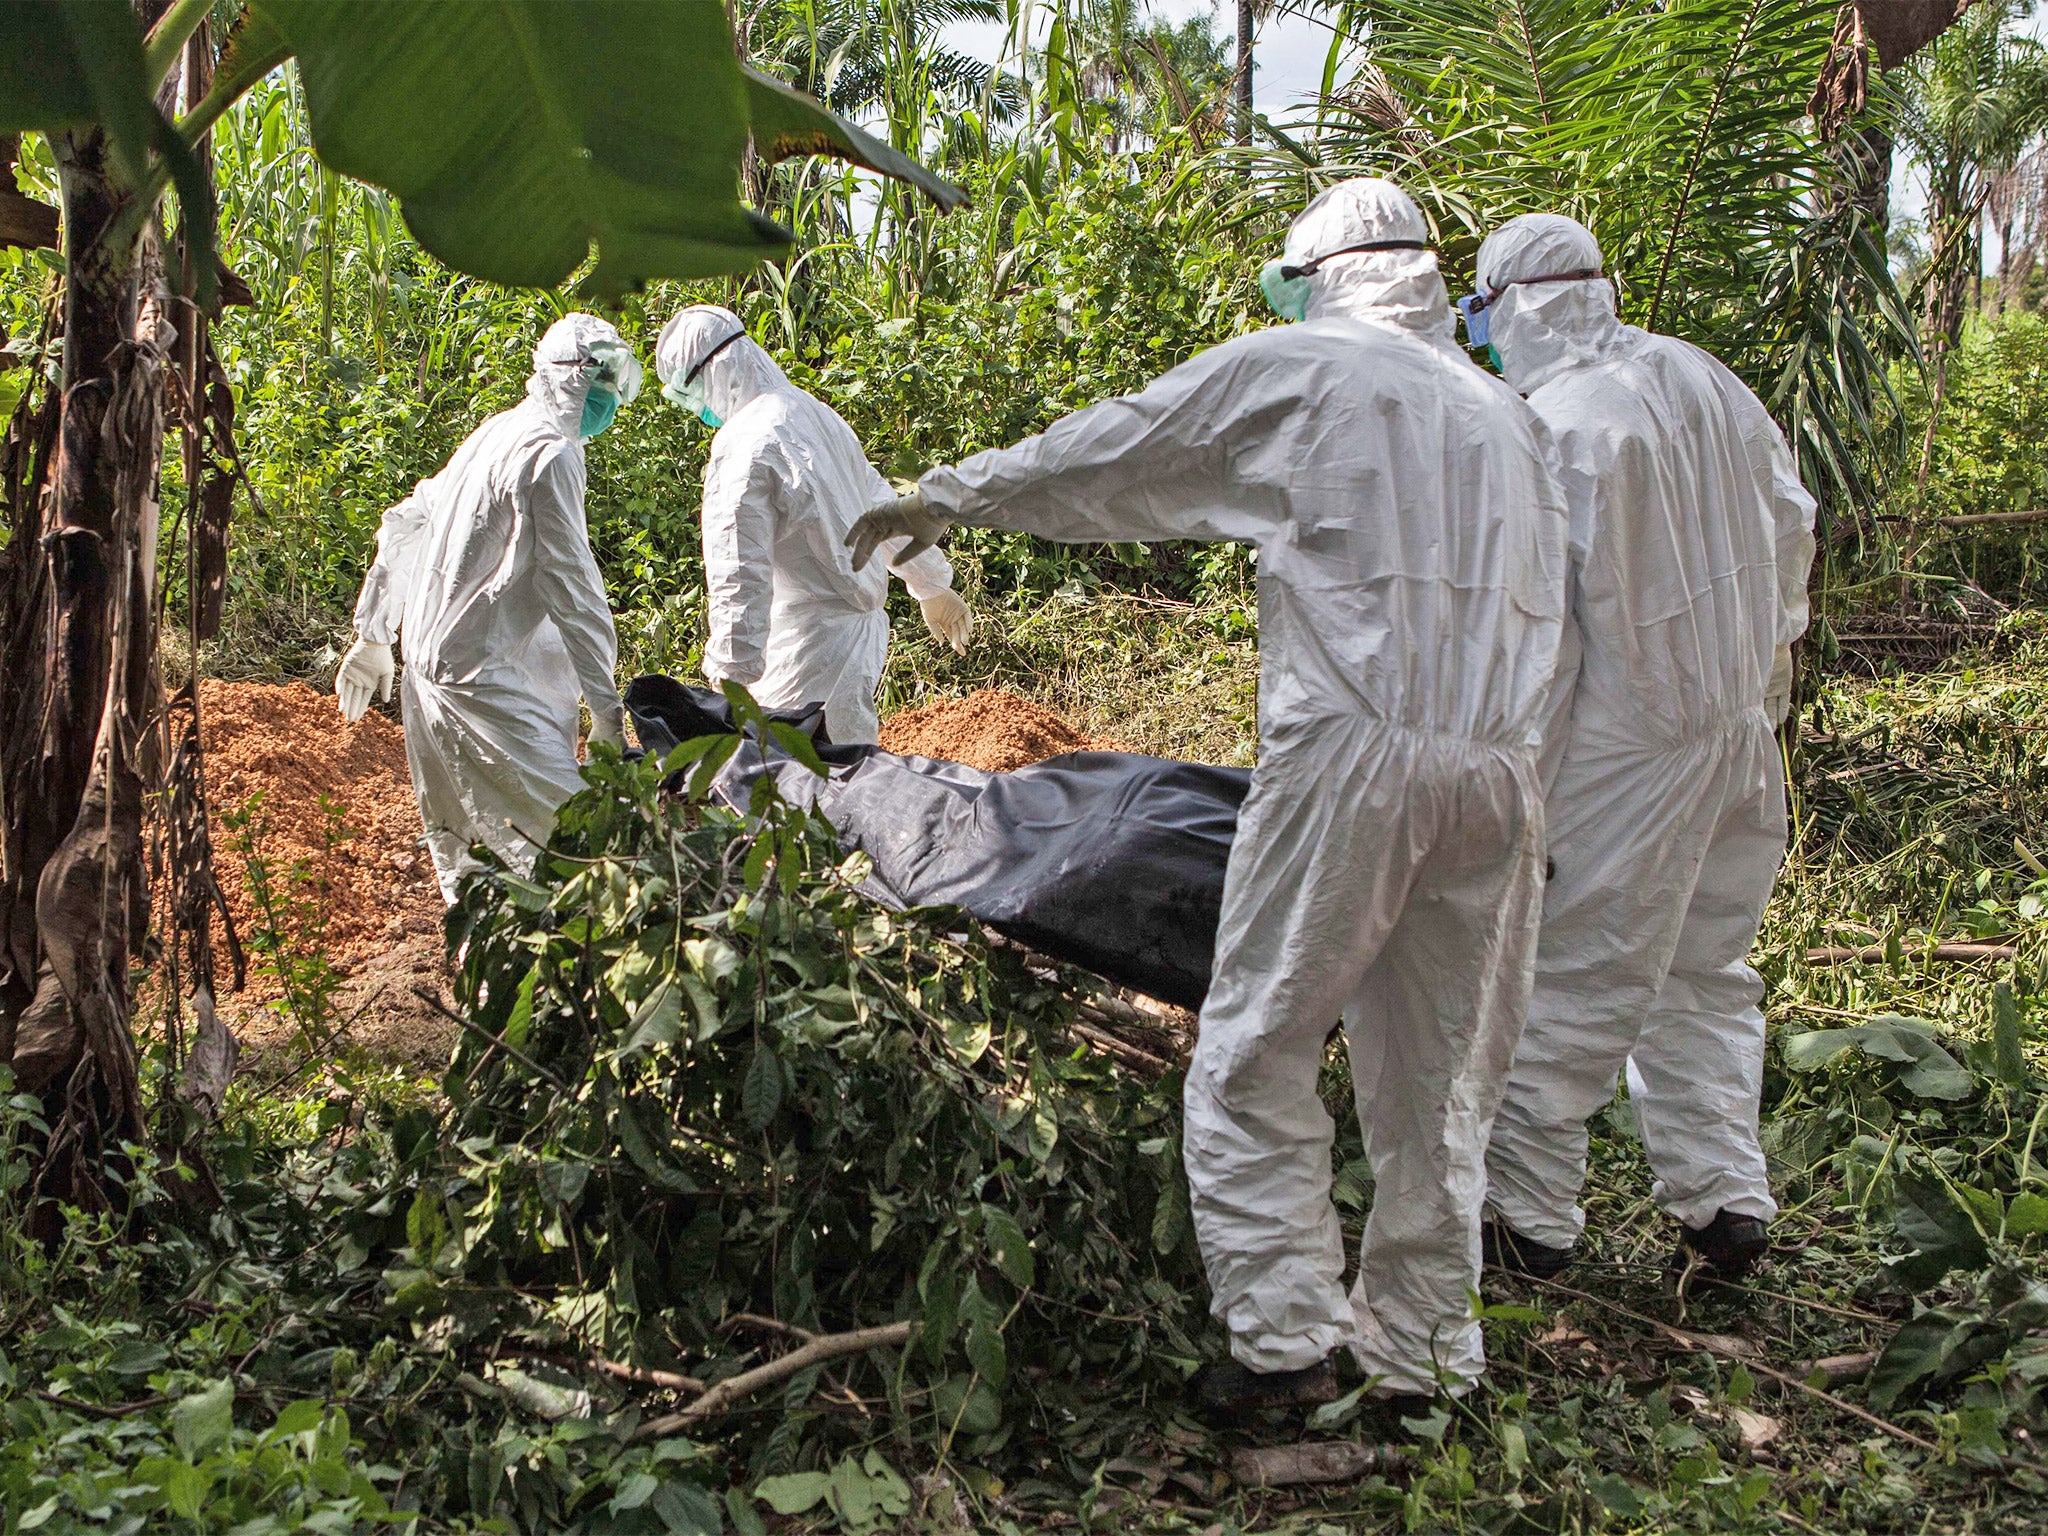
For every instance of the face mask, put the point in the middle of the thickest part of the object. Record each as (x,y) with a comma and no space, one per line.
(1494,352)
(599,407)
(690,397)
(1287,295)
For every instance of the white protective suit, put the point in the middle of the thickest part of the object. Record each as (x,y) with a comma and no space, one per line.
(486,571)
(1691,538)
(790,617)
(1388,861)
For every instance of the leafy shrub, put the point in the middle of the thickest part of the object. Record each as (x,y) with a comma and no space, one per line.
(709,1079)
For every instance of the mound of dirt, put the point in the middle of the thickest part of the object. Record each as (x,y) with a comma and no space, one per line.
(990,729)
(363,867)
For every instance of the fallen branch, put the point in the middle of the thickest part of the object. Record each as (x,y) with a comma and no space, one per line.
(1784,1378)
(1327,1461)
(648,1376)
(1875,954)
(1121,1050)
(829,1346)
(1987,519)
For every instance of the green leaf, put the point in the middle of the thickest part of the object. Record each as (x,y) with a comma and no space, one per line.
(2027,1216)
(891,1493)
(786,122)
(979,1412)
(204,1419)
(1335,1416)
(798,746)
(659,1019)
(138,1357)
(517,132)
(69,63)
(985,1352)
(687,1510)
(1942,1233)
(1170,1215)
(1617,1495)
(1924,1067)
(761,1093)
(298,1418)
(850,1497)
(1913,1354)
(1008,1246)
(184,1486)
(794,1492)
(2008,1061)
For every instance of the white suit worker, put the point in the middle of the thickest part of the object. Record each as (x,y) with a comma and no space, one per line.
(790,617)
(1691,539)
(1388,861)
(486,574)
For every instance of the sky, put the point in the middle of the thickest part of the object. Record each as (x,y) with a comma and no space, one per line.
(1290,50)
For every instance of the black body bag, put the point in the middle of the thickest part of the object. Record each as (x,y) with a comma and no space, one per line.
(1108,860)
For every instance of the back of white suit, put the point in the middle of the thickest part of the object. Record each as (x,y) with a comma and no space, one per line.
(789,614)
(1691,539)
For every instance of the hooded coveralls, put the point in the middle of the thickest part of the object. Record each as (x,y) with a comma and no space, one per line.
(1691,538)
(1388,860)
(486,571)
(790,617)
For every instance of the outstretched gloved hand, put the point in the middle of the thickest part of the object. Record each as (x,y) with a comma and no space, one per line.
(906,517)
(609,728)
(948,617)
(367,669)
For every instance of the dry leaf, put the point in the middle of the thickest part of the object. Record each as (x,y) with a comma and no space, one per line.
(1756,1429)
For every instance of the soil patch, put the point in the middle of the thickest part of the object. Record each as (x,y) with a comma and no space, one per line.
(990,729)
(357,858)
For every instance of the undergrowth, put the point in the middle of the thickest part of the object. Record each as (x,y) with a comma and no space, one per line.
(714,1102)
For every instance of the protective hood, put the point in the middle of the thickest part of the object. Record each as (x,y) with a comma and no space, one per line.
(739,368)
(1387,287)
(578,351)
(1540,329)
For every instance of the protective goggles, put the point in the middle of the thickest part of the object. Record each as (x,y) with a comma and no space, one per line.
(1476,307)
(680,392)
(1308,268)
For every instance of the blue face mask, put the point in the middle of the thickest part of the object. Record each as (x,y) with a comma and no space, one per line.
(599,407)
(709,417)
(1287,295)
(1478,319)
(1494,352)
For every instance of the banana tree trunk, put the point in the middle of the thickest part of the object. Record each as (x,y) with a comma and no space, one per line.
(78,605)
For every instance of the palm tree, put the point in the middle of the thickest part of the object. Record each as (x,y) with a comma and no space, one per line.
(1667,126)
(1969,106)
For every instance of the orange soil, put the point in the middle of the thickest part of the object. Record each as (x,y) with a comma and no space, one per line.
(383,927)
(989,729)
(383,930)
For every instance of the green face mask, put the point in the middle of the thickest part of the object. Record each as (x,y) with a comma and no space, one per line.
(599,407)
(1498,366)
(1287,295)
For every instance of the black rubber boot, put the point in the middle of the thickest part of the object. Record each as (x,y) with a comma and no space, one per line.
(1505,1249)
(1728,1246)
(1230,1390)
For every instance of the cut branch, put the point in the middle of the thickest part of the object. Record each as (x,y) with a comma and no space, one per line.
(831,1346)
(1876,954)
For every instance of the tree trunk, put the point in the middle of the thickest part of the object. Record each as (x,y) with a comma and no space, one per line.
(80,611)
(1247,23)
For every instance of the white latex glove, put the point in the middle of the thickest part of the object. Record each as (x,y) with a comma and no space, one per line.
(608,728)
(367,669)
(948,617)
(905,517)
(1778,692)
